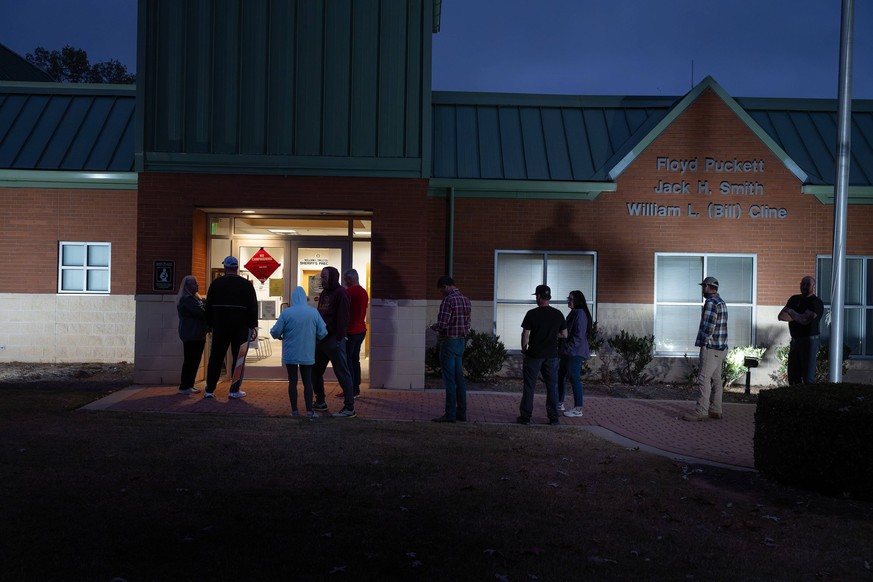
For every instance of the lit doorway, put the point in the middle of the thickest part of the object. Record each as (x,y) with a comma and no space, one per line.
(278,253)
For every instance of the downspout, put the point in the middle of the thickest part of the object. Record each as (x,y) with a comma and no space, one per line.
(450,249)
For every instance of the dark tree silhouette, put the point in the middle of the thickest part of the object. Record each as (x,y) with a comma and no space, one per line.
(71,65)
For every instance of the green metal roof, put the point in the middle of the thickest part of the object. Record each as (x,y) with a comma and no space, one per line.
(510,137)
(537,137)
(67,127)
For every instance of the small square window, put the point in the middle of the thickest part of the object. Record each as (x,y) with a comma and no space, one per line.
(84,267)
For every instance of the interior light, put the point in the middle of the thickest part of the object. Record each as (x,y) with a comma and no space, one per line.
(248,211)
(282,230)
(362,233)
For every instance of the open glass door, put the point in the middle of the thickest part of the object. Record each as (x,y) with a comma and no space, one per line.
(265,266)
(299,262)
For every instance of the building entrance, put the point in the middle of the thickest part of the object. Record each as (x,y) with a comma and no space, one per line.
(277,253)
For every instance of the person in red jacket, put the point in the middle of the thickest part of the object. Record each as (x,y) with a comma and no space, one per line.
(357,331)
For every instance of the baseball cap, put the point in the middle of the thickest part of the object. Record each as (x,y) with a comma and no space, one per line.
(711,281)
(543,291)
(230,262)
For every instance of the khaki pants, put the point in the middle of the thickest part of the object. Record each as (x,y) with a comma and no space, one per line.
(709,383)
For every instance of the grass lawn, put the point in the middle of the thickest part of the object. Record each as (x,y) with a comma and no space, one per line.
(99,495)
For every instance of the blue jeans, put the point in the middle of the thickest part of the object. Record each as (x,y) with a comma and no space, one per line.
(531,369)
(333,351)
(802,359)
(570,366)
(452,366)
(353,357)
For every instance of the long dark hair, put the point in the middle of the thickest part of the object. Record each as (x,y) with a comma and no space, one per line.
(579,302)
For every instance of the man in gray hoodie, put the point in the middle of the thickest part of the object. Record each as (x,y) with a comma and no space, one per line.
(333,305)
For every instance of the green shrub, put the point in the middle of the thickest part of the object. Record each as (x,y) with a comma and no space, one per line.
(484,355)
(817,436)
(635,353)
(822,363)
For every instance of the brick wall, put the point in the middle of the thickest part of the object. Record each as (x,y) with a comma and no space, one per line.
(35,220)
(168,216)
(625,245)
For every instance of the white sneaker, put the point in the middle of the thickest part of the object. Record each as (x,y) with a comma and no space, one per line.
(209,395)
(576,411)
(560,406)
(239,394)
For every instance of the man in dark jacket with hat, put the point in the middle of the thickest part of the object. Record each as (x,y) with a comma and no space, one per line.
(333,305)
(232,313)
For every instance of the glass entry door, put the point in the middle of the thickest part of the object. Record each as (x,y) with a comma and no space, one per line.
(300,262)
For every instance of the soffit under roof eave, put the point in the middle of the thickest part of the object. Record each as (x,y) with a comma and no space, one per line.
(519,189)
(78,180)
(685,103)
(860,195)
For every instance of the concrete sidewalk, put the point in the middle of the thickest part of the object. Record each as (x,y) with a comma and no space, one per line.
(652,425)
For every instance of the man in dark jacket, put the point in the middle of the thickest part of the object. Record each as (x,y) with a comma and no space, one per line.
(232,313)
(333,305)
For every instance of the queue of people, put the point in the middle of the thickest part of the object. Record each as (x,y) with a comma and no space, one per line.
(311,338)
(554,347)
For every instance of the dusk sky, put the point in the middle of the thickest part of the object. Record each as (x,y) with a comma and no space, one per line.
(753,48)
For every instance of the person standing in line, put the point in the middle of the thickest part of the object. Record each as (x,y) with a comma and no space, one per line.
(541,327)
(712,341)
(358,302)
(232,313)
(192,331)
(299,327)
(803,313)
(452,326)
(573,351)
(333,305)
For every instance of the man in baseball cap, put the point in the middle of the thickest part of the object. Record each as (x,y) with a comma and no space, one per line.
(712,341)
(543,291)
(711,281)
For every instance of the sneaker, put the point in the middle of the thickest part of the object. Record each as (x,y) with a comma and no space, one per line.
(715,415)
(345,413)
(209,395)
(522,420)
(574,412)
(554,421)
(560,406)
(184,391)
(237,394)
(461,418)
(320,406)
(693,417)
(295,413)
(311,414)
(444,418)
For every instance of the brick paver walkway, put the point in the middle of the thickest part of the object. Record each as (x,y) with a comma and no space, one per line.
(654,425)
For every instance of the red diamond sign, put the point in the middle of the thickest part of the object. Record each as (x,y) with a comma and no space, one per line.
(262,265)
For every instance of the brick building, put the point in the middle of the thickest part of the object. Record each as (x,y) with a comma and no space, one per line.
(310,131)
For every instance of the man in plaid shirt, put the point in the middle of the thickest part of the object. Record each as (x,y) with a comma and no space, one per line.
(453,325)
(712,340)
